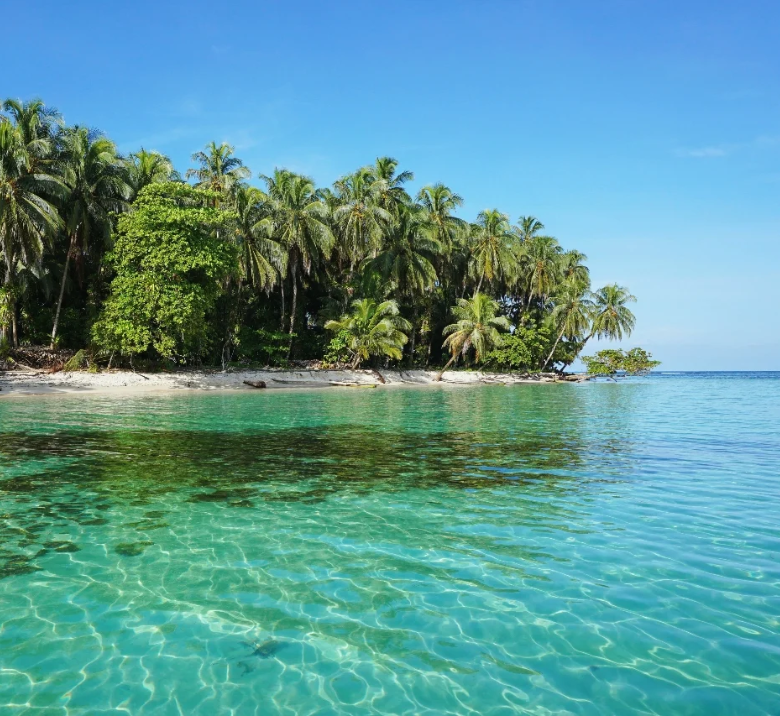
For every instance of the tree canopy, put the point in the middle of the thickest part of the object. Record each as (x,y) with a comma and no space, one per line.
(130,258)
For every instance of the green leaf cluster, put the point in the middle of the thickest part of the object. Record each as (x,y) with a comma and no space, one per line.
(170,265)
(612,361)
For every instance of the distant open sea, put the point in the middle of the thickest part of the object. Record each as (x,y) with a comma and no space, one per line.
(605,548)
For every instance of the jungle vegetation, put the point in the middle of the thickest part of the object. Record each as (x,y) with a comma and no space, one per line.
(125,257)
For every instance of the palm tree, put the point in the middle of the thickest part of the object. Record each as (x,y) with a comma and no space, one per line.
(36,124)
(477,327)
(27,216)
(492,246)
(390,187)
(611,317)
(261,259)
(218,170)
(406,260)
(572,313)
(540,259)
(298,221)
(95,176)
(144,168)
(528,227)
(573,268)
(360,219)
(374,330)
(439,203)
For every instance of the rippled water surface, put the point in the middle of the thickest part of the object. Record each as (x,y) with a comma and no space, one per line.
(546,549)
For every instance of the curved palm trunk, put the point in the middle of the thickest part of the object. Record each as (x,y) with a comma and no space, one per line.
(62,292)
(555,345)
(479,284)
(437,379)
(582,347)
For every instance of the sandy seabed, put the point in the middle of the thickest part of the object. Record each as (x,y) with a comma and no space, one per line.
(23,382)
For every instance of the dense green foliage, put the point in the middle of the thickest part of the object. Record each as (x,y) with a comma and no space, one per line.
(372,329)
(169,267)
(611,361)
(121,255)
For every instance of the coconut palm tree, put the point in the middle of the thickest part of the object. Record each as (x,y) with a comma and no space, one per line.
(477,327)
(36,125)
(95,175)
(374,330)
(572,313)
(144,168)
(540,259)
(492,247)
(528,227)
(390,186)
(298,221)
(439,202)
(261,259)
(406,261)
(573,268)
(611,317)
(218,170)
(28,218)
(360,218)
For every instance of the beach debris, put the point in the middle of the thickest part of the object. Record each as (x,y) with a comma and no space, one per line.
(255,383)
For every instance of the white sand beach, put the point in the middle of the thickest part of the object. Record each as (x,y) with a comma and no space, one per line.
(20,382)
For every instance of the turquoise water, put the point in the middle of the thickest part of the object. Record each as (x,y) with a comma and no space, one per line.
(553,549)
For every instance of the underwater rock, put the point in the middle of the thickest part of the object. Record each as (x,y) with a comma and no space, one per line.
(61,546)
(269,648)
(16,566)
(131,549)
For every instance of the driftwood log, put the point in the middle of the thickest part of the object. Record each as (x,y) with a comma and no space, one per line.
(255,383)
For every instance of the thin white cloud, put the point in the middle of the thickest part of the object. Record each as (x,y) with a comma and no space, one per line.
(722,150)
(703,152)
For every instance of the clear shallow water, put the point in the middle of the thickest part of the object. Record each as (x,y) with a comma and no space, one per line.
(596,549)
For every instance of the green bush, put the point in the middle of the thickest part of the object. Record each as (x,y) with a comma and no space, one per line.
(77,362)
(262,346)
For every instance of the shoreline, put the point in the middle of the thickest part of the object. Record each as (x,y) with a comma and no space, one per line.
(19,383)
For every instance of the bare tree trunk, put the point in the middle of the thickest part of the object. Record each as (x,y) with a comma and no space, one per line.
(9,281)
(62,292)
(479,284)
(281,284)
(294,274)
(448,364)
(294,303)
(413,336)
(14,324)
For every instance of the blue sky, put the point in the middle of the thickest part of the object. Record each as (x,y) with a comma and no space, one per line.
(645,133)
